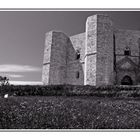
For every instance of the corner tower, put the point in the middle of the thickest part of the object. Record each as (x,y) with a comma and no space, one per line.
(55,59)
(99,54)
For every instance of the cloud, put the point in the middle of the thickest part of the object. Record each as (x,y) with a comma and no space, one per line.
(26,82)
(9,75)
(14,75)
(18,68)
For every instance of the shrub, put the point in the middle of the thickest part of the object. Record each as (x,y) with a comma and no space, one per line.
(71,90)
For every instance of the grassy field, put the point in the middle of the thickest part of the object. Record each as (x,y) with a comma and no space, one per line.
(74,112)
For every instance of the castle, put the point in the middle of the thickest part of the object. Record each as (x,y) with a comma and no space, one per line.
(102,55)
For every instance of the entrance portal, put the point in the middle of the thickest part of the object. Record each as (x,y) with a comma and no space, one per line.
(126,80)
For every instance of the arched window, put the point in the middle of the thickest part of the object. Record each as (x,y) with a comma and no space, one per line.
(77,55)
(127,51)
(77,74)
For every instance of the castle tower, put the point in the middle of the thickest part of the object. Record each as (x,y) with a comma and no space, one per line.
(99,51)
(54,63)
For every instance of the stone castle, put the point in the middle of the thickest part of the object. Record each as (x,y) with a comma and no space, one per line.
(102,55)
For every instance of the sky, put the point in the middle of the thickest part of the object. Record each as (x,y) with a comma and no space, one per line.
(22,37)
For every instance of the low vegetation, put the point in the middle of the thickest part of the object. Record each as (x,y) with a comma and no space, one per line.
(70,107)
(69,90)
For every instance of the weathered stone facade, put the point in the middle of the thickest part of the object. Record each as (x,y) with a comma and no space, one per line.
(103,55)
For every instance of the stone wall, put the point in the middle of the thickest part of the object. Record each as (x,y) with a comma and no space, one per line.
(91,51)
(105,56)
(78,42)
(99,51)
(127,38)
(60,63)
(58,58)
(54,69)
(74,65)
(47,59)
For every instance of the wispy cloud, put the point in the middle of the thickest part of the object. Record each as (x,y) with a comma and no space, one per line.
(14,75)
(18,68)
(11,75)
(26,82)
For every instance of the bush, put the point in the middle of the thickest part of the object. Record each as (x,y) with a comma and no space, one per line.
(70,90)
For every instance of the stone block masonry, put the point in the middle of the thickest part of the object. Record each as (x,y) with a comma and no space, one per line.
(102,55)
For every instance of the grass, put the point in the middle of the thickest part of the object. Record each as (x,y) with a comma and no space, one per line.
(73,112)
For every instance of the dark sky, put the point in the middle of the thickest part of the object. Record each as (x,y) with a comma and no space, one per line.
(22,36)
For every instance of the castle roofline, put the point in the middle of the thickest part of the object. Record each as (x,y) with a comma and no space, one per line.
(77,34)
(106,15)
(57,31)
(96,15)
(128,30)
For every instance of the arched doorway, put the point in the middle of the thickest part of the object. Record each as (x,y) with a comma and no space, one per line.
(126,80)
